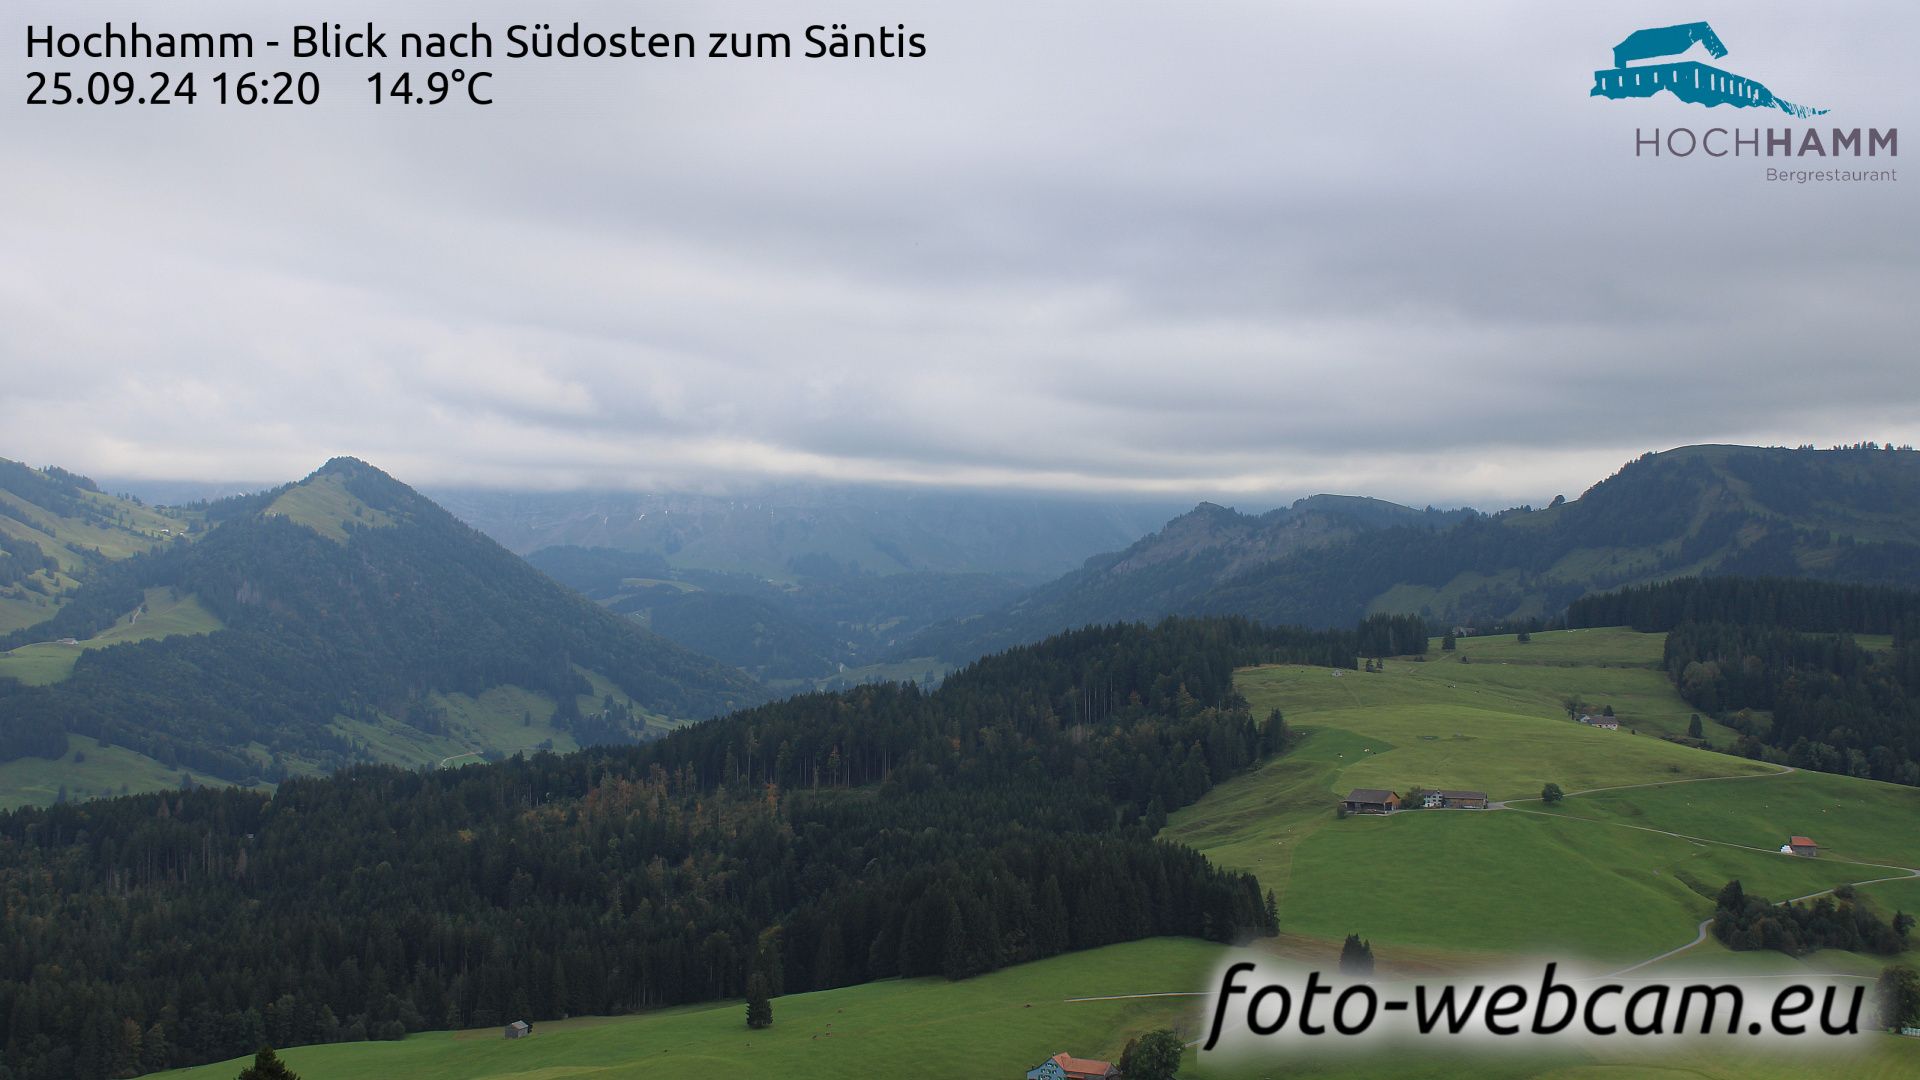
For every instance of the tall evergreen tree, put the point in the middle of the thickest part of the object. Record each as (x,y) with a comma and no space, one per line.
(1356,956)
(759,1006)
(1896,997)
(267,1066)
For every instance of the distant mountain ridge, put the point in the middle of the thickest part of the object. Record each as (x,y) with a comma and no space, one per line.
(1848,514)
(356,620)
(783,533)
(803,634)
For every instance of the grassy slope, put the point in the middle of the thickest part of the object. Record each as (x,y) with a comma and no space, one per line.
(95,771)
(323,504)
(494,720)
(1434,890)
(87,771)
(888,1028)
(1853,819)
(1472,881)
(64,539)
(50,662)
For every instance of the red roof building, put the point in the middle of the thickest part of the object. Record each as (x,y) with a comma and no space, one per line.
(1064,1066)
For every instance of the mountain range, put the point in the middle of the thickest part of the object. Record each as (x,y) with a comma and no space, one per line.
(348,618)
(343,618)
(820,630)
(1847,514)
(784,533)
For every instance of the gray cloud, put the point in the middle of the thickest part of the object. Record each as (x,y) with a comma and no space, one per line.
(1240,250)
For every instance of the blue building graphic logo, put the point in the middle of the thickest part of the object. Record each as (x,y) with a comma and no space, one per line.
(1689,80)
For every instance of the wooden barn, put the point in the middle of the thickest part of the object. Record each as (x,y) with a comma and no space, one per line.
(1370,801)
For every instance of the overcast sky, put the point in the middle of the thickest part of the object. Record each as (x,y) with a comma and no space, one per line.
(1245,249)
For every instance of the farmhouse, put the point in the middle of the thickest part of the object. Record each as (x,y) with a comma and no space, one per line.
(1599,721)
(1455,800)
(1064,1066)
(1362,800)
(519,1029)
(1803,845)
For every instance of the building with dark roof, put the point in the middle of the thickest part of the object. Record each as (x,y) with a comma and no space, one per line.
(1370,801)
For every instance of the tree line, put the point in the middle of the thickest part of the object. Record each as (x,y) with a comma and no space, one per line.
(827,840)
(1778,660)
(1795,604)
(1742,921)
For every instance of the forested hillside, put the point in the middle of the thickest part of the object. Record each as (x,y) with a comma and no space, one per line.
(349,607)
(1846,515)
(1175,570)
(827,619)
(1779,660)
(58,530)
(826,840)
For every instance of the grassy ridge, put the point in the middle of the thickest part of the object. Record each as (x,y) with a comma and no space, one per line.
(324,504)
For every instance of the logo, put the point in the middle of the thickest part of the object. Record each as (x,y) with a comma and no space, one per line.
(1689,80)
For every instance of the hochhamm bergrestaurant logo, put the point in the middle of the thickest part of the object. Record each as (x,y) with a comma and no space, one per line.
(1660,59)
(1688,80)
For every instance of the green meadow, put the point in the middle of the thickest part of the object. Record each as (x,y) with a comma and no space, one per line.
(324,505)
(166,615)
(1861,820)
(1530,879)
(997,1025)
(1507,882)
(992,1027)
(87,771)
(125,529)
(1433,890)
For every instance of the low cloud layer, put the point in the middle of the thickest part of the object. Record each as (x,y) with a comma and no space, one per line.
(1250,250)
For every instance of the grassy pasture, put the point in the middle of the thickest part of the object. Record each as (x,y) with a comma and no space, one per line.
(1505,881)
(1435,891)
(50,662)
(87,771)
(1510,882)
(1862,820)
(324,505)
(134,529)
(996,1025)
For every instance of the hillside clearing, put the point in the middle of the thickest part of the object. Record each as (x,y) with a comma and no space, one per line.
(166,615)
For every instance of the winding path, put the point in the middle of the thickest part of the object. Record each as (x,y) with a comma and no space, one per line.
(1700,932)
(1782,770)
